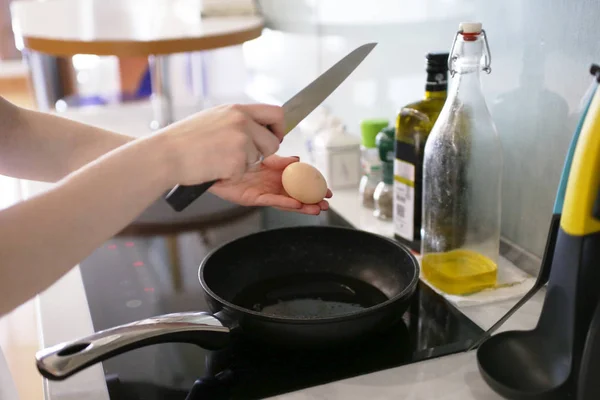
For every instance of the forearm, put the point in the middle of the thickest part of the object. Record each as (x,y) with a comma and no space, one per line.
(46,147)
(44,237)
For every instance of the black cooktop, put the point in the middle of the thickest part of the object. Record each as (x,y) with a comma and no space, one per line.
(139,276)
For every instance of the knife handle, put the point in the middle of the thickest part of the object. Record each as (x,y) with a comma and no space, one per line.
(182,196)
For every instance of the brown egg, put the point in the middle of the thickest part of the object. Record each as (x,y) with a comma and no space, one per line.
(304,183)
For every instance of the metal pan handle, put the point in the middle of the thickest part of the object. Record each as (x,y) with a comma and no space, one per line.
(65,359)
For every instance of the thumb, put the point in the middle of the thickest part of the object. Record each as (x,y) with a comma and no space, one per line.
(277,162)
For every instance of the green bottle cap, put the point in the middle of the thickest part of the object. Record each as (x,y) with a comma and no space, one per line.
(369,129)
(385,143)
(388,172)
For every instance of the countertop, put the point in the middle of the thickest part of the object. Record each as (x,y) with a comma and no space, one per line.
(64,315)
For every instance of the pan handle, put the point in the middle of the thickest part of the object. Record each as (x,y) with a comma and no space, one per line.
(65,359)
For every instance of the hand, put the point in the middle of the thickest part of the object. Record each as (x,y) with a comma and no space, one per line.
(220,143)
(262,187)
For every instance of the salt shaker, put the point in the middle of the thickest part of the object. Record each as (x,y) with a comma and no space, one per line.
(337,155)
(370,161)
(384,192)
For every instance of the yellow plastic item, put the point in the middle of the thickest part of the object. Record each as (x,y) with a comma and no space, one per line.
(584,178)
(459,272)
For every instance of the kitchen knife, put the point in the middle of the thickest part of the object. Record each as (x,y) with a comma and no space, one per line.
(295,110)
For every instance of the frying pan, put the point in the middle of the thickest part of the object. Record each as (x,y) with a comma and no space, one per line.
(301,287)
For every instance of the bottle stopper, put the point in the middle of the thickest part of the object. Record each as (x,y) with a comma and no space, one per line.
(470,27)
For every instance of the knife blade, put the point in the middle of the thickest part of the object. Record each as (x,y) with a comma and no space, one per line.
(305,101)
(295,110)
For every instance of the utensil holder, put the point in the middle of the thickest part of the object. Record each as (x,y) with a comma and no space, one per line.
(560,357)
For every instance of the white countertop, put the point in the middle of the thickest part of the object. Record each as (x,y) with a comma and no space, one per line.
(453,377)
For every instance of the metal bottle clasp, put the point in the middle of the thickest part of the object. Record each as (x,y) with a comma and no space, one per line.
(487,55)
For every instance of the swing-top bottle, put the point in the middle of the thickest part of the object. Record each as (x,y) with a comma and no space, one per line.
(462,172)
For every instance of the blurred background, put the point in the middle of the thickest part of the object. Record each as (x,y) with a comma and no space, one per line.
(541,54)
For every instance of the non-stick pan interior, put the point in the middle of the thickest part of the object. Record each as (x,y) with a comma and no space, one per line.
(309,272)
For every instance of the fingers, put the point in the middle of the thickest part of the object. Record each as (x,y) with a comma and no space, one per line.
(241,152)
(285,203)
(323,205)
(267,115)
(303,210)
(310,209)
(279,163)
(278,200)
(264,140)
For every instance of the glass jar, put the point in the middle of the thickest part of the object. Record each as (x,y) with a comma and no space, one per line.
(384,192)
(370,161)
(462,175)
(384,196)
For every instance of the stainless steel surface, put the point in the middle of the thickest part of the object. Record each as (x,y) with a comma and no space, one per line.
(162,102)
(95,346)
(303,103)
(504,318)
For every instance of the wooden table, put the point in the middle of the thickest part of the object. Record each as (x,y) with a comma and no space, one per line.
(149,28)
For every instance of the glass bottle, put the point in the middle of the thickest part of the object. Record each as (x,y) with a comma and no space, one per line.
(384,192)
(371,164)
(413,125)
(462,173)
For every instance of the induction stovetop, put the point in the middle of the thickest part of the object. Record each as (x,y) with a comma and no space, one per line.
(139,276)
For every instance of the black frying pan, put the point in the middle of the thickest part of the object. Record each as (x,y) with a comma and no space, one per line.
(301,287)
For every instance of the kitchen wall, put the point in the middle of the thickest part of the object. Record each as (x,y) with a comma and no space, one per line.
(541,53)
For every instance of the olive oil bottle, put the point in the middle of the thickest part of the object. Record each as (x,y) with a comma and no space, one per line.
(413,124)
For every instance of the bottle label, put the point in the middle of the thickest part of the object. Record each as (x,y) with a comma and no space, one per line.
(404,199)
(370,163)
(437,81)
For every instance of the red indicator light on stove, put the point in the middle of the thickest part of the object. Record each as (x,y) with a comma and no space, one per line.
(149,289)
(138,264)
(111,246)
(128,244)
